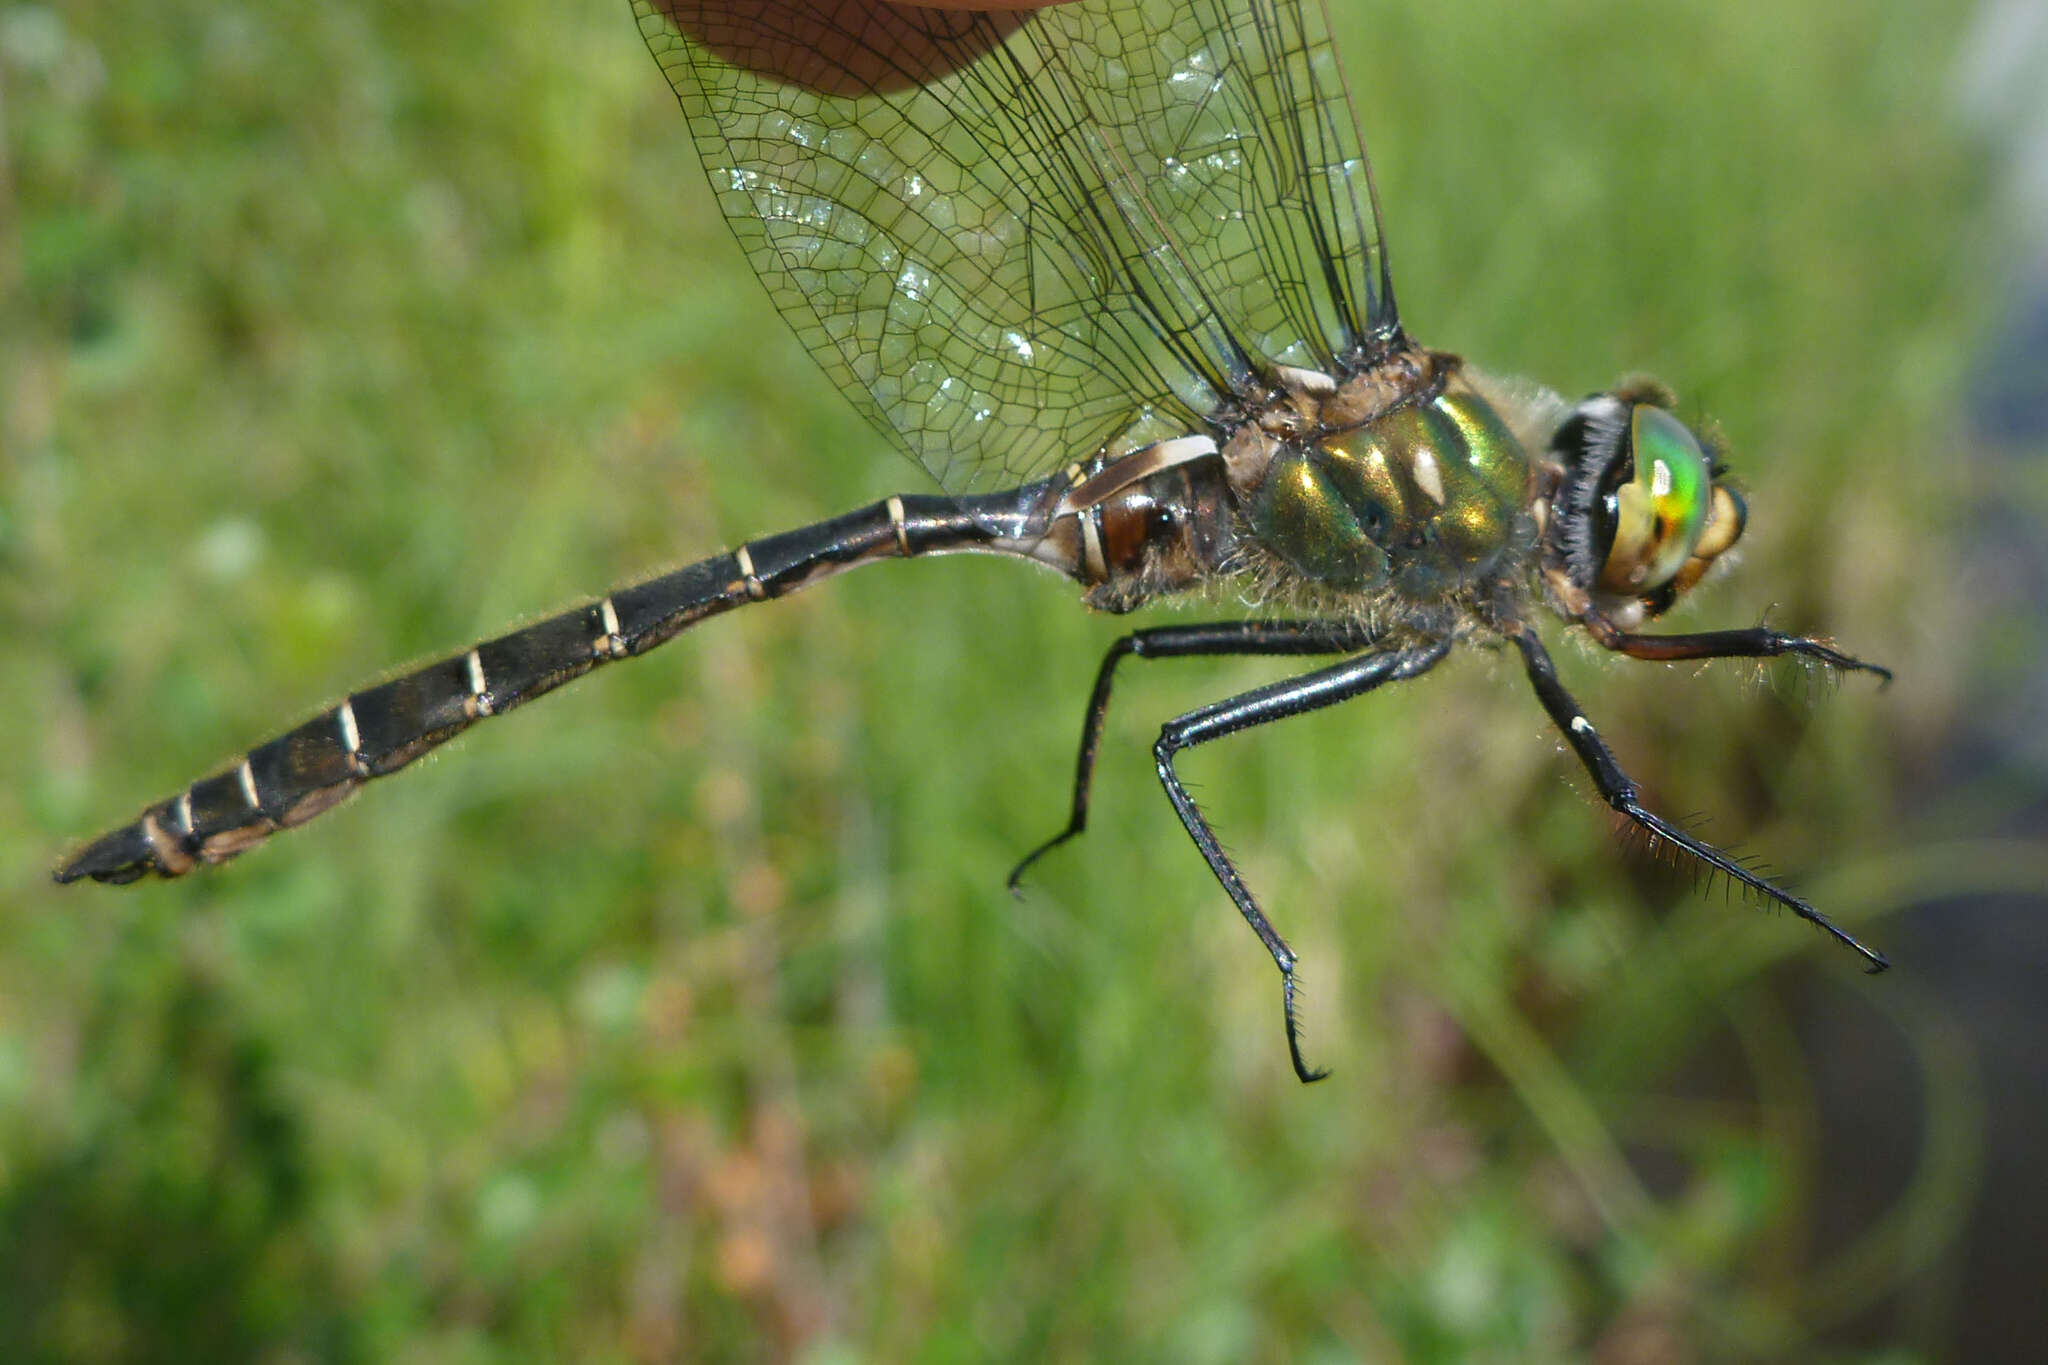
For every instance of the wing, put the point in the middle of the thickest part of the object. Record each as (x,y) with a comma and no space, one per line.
(1015,240)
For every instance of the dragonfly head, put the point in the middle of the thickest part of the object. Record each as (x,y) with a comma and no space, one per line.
(1641,511)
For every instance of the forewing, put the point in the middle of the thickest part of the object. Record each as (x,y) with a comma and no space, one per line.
(1014,241)
(1236,122)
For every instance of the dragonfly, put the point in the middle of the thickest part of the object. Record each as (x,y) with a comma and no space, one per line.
(1113,274)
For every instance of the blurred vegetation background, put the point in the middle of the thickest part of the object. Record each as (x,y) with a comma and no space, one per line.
(684,1017)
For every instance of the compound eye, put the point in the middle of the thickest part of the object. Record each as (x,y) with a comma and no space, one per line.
(1657,515)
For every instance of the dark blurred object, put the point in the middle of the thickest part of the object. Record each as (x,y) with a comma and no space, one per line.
(1979,959)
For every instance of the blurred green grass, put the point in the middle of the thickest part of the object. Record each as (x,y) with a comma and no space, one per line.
(685,1016)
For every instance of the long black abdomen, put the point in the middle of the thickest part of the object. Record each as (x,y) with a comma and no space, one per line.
(380,729)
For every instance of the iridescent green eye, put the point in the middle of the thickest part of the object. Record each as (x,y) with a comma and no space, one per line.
(1657,515)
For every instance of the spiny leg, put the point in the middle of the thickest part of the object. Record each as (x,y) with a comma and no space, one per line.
(1180,642)
(1620,792)
(1275,701)
(1757,642)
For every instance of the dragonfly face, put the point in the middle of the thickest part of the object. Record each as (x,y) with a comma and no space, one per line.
(1113,275)
(1637,506)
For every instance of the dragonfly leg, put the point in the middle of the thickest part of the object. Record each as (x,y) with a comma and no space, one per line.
(1621,793)
(1181,642)
(1757,642)
(1275,701)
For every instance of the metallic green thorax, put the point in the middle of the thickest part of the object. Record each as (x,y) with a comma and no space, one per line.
(1424,500)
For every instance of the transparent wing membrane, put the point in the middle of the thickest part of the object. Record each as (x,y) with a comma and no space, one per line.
(1015,240)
